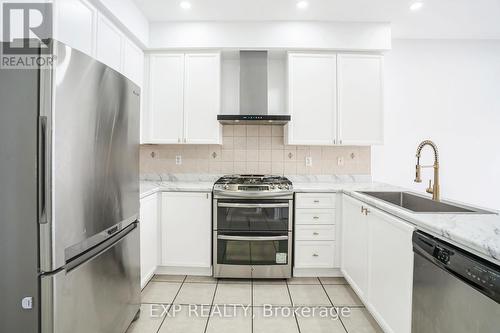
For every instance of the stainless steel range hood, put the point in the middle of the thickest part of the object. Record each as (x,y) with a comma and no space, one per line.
(253,93)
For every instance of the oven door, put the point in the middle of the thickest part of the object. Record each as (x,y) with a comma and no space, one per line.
(252,255)
(253,216)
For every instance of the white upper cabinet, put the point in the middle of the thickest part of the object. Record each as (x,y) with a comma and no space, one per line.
(335,99)
(133,62)
(166,99)
(312,99)
(75,24)
(202,98)
(109,43)
(360,99)
(184,99)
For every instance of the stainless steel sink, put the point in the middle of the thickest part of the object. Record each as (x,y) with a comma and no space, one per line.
(420,204)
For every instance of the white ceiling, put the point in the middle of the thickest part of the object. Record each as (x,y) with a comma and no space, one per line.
(437,19)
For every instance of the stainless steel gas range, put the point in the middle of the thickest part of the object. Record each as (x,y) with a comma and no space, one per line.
(252,229)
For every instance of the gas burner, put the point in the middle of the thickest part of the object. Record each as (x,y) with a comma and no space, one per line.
(253,185)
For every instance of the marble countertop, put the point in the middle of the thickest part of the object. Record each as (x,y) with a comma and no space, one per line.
(477,233)
(151,187)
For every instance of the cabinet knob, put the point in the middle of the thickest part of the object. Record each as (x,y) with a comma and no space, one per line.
(315,255)
(316,201)
(316,217)
(315,233)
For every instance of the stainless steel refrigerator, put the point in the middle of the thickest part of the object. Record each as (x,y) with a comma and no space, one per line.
(69,197)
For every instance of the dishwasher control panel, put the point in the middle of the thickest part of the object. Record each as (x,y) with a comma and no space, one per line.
(479,273)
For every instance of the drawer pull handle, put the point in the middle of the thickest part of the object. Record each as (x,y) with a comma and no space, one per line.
(362,209)
(315,255)
(316,201)
(316,217)
(315,233)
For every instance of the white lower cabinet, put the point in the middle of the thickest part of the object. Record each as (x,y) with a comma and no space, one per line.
(186,225)
(149,237)
(377,260)
(315,230)
(390,270)
(354,263)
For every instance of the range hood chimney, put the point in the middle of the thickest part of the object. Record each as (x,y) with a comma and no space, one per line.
(253,93)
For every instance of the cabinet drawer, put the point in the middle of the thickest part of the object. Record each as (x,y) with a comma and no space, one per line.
(314,254)
(315,200)
(315,232)
(315,216)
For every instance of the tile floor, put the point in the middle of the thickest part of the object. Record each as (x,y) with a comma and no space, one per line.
(194,304)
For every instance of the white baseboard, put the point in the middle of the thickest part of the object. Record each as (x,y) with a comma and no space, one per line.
(147,277)
(317,272)
(178,270)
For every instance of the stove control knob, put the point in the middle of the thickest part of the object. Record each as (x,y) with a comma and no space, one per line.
(226,187)
(272,187)
(287,187)
(280,187)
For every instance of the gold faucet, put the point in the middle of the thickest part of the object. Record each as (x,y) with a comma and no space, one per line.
(432,189)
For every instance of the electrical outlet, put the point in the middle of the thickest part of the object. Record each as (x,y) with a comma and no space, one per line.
(178,160)
(340,161)
(309,161)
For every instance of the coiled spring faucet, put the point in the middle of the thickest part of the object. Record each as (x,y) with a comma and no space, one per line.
(432,189)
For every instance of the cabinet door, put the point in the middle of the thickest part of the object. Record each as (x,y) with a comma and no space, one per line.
(390,272)
(354,263)
(360,99)
(133,62)
(108,43)
(202,98)
(312,99)
(186,222)
(149,226)
(75,24)
(166,99)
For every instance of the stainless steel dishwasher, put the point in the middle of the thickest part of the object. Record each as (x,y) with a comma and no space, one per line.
(453,290)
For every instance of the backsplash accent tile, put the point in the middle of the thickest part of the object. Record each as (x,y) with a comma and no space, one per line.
(255,149)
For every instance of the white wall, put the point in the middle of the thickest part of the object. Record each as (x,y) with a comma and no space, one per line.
(447,91)
(366,36)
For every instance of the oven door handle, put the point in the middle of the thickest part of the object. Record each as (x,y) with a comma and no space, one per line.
(255,238)
(246,205)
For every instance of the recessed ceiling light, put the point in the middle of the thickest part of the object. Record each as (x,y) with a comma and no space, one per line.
(416,6)
(302,4)
(185,4)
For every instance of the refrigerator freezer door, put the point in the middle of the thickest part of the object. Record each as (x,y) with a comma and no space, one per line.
(99,294)
(94,157)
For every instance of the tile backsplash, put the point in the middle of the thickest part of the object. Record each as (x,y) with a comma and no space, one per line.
(255,149)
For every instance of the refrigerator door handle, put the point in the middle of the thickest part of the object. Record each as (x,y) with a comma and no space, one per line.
(103,247)
(42,169)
